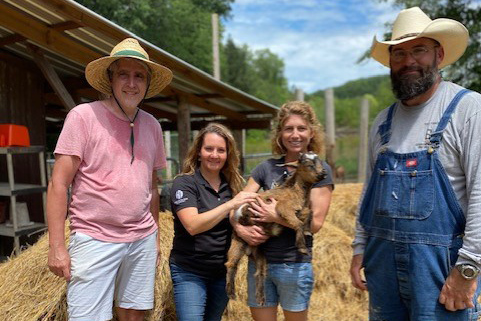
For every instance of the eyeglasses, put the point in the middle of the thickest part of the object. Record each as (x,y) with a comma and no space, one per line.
(416,52)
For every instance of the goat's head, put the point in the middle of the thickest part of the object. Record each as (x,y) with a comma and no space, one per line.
(309,168)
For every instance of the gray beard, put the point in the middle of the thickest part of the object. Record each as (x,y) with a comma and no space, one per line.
(408,87)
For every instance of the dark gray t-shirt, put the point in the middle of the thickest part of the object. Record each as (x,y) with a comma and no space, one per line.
(282,248)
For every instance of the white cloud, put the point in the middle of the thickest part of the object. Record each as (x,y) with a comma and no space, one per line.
(319,41)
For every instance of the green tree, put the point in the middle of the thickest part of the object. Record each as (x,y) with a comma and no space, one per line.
(270,83)
(237,69)
(467,70)
(181,27)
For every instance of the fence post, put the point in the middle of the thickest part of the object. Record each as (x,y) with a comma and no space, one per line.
(363,140)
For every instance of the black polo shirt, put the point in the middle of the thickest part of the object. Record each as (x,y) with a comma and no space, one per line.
(204,253)
(282,248)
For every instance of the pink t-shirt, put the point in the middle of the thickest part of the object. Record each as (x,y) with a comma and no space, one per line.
(110,196)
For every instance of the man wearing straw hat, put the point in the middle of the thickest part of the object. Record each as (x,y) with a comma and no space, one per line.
(109,151)
(418,235)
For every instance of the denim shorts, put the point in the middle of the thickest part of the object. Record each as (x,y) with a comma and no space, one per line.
(289,284)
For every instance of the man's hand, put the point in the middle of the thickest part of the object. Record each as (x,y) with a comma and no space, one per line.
(356,279)
(59,261)
(253,235)
(457,292)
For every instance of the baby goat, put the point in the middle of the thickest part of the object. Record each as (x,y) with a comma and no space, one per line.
(292,205)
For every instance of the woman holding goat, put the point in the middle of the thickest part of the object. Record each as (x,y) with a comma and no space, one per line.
(289,280)
(202,197)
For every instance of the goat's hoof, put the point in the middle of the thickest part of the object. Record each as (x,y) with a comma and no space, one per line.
(304,251)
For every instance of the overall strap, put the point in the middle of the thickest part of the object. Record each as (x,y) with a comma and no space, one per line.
(437,135)
(384,129)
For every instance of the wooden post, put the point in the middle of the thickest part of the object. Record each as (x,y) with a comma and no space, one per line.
(52,77)
(299,94)
(363,140)
(183,128)
(215,46)
(240,137)
(330,128)
(168,153)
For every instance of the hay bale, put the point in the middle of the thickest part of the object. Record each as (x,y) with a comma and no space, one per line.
(28,291)
(342,212)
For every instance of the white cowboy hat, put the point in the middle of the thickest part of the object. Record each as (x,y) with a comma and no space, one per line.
(413,23)
(96,71)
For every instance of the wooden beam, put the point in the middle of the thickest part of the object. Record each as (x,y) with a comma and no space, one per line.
(209,96)
(233,125)
(183,128)
(55,113)
(212,107)
(66,25)
(195,75)
(11,39)
(51,76)
(44,35)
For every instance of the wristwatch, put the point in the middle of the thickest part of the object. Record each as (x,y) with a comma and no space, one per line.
(468,271)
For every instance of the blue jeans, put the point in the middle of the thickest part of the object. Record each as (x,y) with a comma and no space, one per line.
(289,284)
(404,281)
(197,297)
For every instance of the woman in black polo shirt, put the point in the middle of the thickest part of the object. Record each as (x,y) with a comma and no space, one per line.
(289,279)
(202,198)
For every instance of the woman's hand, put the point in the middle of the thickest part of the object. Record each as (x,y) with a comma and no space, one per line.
(264,211)
(242,198)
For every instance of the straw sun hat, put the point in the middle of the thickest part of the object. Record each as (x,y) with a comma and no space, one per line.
(96,71)
(413,23)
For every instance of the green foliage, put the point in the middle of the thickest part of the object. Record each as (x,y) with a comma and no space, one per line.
(270,83)
(467,70)
(238,70)
(259,73)
(184,29)
(348,97)
(181,27)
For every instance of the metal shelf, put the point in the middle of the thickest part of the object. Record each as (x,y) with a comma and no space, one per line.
(22,230)
(21,150)
(12,190)
(20,189)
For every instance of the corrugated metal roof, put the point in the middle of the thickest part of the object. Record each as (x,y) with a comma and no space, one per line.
(71,35)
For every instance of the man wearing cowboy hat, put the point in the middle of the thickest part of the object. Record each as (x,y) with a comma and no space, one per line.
(109,151)
(418,234)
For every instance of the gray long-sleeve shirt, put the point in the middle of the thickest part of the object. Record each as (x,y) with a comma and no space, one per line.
(459,153)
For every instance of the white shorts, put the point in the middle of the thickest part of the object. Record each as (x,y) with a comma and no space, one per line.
(103,271)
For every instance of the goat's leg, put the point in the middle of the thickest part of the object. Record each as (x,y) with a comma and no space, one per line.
(236,251)
(306,217)
(290,216)
(260,275)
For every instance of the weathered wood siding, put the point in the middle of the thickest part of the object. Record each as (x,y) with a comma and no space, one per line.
(21,103)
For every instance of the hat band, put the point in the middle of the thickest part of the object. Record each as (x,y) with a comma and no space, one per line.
(408,35)
(130,53)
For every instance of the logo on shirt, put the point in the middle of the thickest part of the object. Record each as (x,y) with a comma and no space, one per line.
(179,195)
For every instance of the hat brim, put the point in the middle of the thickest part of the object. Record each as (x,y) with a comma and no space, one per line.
(451,34)
(97,76)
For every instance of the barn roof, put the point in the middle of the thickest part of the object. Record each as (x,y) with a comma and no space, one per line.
(69,36)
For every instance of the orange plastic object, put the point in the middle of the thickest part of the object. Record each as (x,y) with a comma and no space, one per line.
(14,135)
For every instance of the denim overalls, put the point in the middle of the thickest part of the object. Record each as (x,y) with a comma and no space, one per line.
(415,227)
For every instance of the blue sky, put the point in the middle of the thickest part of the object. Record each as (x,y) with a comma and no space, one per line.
(319,40)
